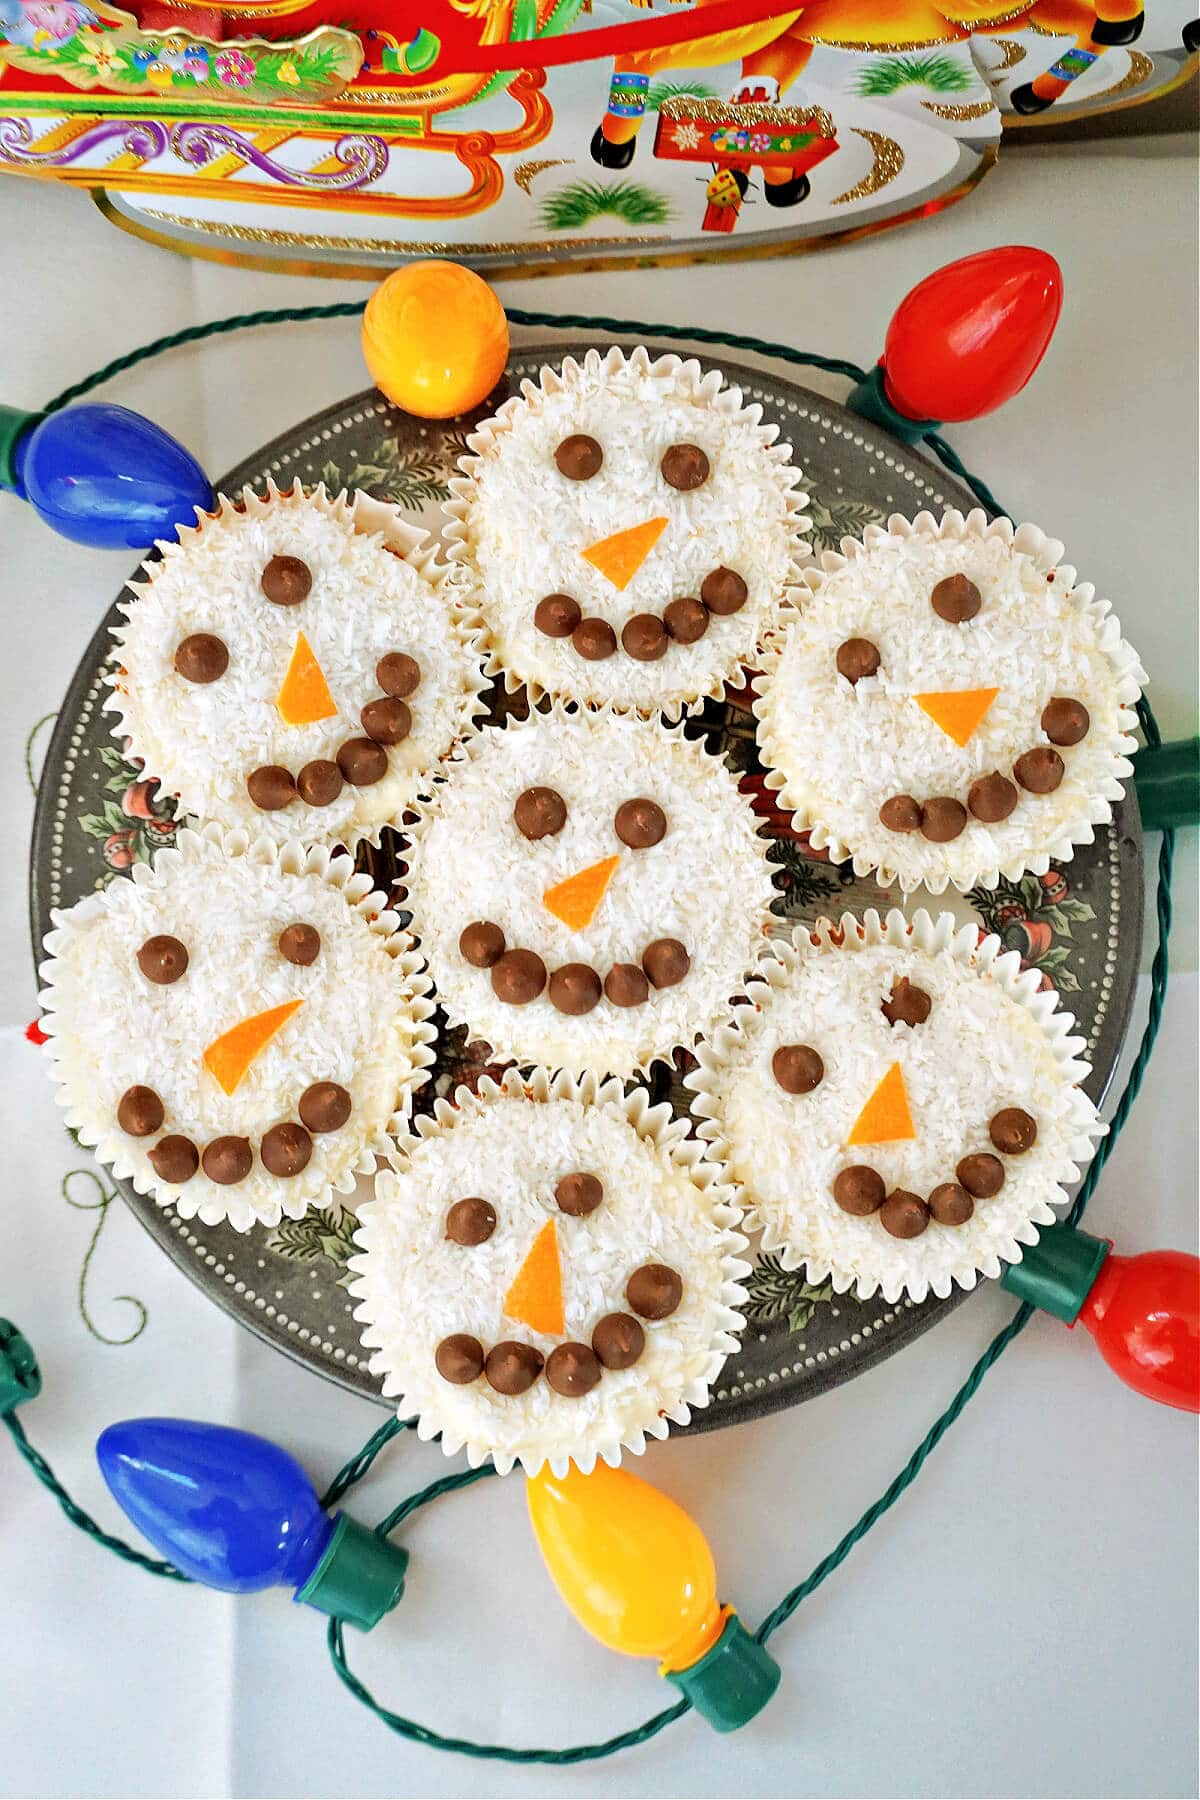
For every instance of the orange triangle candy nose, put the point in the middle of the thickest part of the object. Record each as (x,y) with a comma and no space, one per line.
(958,714)
(535,1297)
(229,1056)
(304,696)
(885,1117)
(575,900)
(620,556)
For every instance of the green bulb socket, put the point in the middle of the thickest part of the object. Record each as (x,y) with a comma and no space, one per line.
(14,423)
(359,1578)
(733,1681)
(1058,1272)
(1167,779)
(869,400)
(20,1377)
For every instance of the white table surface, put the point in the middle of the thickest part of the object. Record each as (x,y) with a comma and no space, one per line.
(1023,1622)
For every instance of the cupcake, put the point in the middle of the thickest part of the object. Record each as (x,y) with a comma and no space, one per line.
(549,1273)
(237,1030)
(952,705)
(294,666)
(627,532)
(899,1103)
(588,890)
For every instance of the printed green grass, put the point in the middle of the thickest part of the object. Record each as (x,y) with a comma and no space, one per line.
(941,74)
(572,207)
(677,90)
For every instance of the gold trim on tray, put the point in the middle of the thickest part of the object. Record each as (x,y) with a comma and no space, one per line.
(266,234)
(647,258)
(977,109)
(887,162)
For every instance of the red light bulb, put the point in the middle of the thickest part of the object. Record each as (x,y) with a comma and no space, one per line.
(1143,1311)
(969,336)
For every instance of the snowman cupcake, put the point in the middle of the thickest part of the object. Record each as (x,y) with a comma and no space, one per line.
(627,532)
(589,890)
(238,1031)
(952,705)
(295,666)
(899,1104)
(549,1273)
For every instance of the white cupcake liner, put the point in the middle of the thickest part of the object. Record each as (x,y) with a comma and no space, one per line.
(134,713)
(581,1059)
(706,388)
(788,778)
(571,1432)
(870,1261)
(261,1199)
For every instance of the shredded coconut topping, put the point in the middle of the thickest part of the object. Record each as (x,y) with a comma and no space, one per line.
(416,1287)
(985,1045)
(361,1023)
(202,740)
(523,525)
(707,884)
(840,750)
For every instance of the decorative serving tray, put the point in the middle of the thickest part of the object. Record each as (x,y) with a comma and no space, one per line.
(1080,925)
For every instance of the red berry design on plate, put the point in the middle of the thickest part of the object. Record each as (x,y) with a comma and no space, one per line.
(120,850)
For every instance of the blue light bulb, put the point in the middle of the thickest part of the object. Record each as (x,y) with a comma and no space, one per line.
(102,475)
(236,1512)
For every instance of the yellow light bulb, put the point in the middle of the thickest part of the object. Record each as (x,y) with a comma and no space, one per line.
(435,339)
(638,1574)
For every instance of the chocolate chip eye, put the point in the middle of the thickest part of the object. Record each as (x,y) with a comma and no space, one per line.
(685,467)
(540,812)
(640,823)
(471,1221)
(956,599)
(856,659)
(286,580)
(907,1004)
(579,1193)
(201,658)
(299,944)
(579,457)
(798,1068)
(162,960)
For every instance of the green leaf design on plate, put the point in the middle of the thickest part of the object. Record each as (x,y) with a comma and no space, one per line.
(320,1233)
(774,1292)
(413,476)
(844,518)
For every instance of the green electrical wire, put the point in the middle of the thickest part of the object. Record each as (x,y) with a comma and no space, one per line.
(359,1464)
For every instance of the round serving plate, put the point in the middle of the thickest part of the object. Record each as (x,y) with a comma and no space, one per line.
(1079,925)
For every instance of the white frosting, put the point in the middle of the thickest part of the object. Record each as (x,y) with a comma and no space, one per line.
(707,883)
(371,593)
(838,751)
(361,1024)
(661,1204)
(990,1041)
(522,525)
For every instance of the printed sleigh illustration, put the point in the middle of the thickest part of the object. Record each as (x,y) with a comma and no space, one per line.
(529,133)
